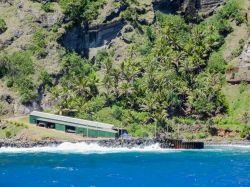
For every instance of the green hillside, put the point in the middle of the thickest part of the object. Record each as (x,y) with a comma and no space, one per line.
(160,70)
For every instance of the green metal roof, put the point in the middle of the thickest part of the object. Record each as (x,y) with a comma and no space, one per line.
(72,121)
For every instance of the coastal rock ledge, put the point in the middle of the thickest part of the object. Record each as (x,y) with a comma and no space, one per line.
(129,143)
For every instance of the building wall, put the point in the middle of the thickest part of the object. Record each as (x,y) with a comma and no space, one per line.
(79,130)
(32,119)
(60,127)
(94,133)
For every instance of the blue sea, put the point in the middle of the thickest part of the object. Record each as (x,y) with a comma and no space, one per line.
(82,165)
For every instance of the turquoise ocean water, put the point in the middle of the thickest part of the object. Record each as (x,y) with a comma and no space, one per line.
(80,165)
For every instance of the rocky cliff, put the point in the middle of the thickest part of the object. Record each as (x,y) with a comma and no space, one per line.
(88,39)
(209,5)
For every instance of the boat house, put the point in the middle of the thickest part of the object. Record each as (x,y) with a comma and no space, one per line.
(73,125)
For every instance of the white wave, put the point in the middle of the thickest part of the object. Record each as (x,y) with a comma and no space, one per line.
(82,148)
(235,148)
(230,146)
(66,168)
(94,148)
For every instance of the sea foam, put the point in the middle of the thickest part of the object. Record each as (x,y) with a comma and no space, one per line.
(82,148)
(94,148)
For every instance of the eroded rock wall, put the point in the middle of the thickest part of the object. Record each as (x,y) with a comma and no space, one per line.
(87,40)
(82,39)
(171,6)
(208,5)
(167,6)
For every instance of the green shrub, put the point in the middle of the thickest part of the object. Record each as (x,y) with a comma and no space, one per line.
(8,134)
(216,63)
(239,19)
(26,89)
(131,16)
(20,68)
(4,66)
(3,109)
(224,27)
(245,131)
(201,135)
(9,82)
(239,49)
(243,87)
(47,7)
(75,67)
(233,11)
(39,43)
(27,96)
(150,34)
(20,124)
(3,26)
(106,115)
(12,129)
(55,28)
(117,113)
(17,65)
(45,78)
(95,105)
(245,117)
(189,136)
(185,120)
(81,10)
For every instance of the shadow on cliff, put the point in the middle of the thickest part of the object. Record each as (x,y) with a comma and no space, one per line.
(81,39)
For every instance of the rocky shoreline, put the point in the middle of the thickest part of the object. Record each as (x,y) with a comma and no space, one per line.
(28,144)
(115,143)
(129,143)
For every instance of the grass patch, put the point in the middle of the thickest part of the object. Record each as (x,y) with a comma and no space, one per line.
(238,98)
(3,26)
(11,128)
(33,133)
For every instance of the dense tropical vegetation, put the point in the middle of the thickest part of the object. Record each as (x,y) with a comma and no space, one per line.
(174,72)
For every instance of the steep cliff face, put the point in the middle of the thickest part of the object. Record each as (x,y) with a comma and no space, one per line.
(208,5)
(86,40)
(170,6)
(241,70)
(167,6)
(24,19)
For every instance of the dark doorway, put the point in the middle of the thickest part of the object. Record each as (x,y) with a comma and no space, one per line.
(70,129)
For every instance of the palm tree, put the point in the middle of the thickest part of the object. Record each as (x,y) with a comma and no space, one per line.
(129,70)
(127,89)
(108,82)
(92,82)
(116,79)
(82,87)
